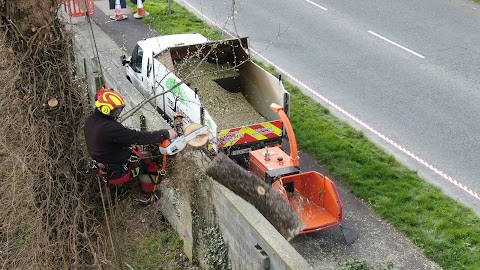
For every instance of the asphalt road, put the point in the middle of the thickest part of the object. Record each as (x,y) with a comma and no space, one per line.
(378,242)
(406,69)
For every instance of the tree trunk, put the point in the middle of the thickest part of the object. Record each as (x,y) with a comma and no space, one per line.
(254,190)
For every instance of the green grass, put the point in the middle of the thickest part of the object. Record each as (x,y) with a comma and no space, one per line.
(448,232)
(158,251)
(357,264)
(179,20)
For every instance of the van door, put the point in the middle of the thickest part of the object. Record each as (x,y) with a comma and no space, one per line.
(134,71)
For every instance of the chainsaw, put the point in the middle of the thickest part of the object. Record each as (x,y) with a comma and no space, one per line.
(192,134)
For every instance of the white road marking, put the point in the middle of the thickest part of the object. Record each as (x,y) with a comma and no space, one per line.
(396,44)
(317,5)
(349,115)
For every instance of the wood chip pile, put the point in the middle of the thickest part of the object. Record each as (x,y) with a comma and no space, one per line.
(227,109)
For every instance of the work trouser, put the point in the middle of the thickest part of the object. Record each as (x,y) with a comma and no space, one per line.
(144,168)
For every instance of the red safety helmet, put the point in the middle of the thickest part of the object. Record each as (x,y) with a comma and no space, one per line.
(107,100)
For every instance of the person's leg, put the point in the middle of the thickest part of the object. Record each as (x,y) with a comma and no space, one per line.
(148,189)
(147,183)
(148,177)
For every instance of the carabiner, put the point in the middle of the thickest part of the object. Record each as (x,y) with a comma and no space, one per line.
(133,158)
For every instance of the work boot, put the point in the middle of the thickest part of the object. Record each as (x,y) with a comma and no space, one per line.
(145,200)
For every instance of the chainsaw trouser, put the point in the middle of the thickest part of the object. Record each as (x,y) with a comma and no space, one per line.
(145,169)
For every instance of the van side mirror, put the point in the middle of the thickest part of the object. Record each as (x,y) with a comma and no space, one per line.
(124,60)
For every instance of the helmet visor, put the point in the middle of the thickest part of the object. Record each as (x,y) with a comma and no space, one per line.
(116,112)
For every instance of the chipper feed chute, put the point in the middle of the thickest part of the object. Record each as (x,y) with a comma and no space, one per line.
(314,197)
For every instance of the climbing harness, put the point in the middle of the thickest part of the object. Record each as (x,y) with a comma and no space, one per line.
(121,173)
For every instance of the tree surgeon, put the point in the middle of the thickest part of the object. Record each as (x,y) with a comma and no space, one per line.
(114,148)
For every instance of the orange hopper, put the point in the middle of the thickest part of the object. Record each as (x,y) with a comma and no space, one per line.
(313,196)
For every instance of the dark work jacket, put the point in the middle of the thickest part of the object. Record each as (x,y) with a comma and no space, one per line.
(108,141)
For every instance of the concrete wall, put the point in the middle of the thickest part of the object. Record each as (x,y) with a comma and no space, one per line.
(253,243)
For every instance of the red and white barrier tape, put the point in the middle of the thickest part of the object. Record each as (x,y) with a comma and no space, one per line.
(383,137)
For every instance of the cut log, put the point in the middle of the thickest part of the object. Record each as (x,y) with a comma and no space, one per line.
(255,191)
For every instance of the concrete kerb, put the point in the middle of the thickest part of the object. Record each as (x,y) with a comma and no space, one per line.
(232,210)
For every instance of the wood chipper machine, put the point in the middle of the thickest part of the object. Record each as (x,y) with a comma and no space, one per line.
(313,196)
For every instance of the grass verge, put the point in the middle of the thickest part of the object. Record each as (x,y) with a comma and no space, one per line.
(448,232)
(177,20)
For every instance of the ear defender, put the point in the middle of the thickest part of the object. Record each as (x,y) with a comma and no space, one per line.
(105,110)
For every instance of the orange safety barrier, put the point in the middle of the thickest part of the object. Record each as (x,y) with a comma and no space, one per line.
(76,8)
